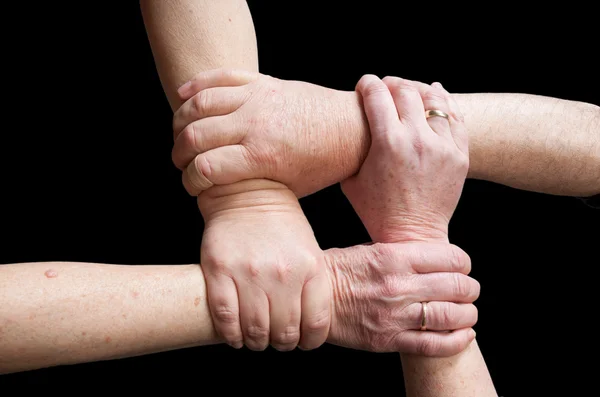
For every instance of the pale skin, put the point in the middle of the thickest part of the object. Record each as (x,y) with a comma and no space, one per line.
(407,189)
(525,141)
(61,313)
(246,286)
(490,118)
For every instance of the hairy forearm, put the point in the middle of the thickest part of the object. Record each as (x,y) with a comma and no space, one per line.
(191,36)
(463,375)
(529,142)
(56,313)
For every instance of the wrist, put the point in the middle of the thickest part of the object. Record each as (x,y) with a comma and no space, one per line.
(409,230)
(256,195)
(354,134)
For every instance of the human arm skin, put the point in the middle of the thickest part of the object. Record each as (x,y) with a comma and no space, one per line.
(187,36)
(408,188)
(524,141)
(61,313)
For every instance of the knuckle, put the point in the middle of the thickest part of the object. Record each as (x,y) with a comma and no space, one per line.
(225,314)
(434,95)
(188,136)
(286,340)
(215,264)
(391,288)
(460,261)
(200,103)
(371,86)
(283,272)
(428,345)
(317,322)
(253,268)
(257,335)
(446,316)
(462,288)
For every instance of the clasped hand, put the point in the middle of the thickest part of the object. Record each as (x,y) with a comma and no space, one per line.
(268,281)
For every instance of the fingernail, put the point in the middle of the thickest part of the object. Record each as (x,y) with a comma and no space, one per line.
(184,88)
(473,333)
(436,84)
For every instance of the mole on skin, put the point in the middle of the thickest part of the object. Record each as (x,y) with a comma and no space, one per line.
(50,273)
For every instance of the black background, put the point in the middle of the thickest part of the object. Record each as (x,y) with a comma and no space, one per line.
(87,176)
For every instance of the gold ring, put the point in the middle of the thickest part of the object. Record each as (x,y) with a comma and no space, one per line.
(424,319)
(436,113)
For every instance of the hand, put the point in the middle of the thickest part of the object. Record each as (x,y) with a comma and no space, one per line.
(412,178)
(265,273)
(238,125)
(377,291)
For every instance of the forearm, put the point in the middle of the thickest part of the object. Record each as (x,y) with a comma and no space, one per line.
(57,313)
(535,143)
(527,142)
(191,36)
(464,375)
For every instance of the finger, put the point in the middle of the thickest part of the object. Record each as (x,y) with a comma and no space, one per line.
(207,103)
(216,78)
(457,123)
(449,287)
(435,98)
(430,258)
(316,313)
(285,319)
(442,316)
(204,135)
(224,308)
(409,104)
(435,344)
(254,316)
(221,166)
(379,107)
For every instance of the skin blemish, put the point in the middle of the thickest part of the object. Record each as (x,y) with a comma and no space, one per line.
(135,294)
(197,301)
(50,273)
(229,19)
(84,333)
(107,339)
(124,315)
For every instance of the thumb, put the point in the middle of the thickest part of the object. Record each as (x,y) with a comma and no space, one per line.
(220,166)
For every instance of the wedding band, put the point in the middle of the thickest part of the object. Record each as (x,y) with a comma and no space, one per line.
(436,113)
(424,319)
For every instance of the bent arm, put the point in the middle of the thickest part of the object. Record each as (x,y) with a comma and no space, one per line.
(56,313)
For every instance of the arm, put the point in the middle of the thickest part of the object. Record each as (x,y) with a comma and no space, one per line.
(529,142)
(407,189)
(188,36)
(61,313)
(66,313)
(535,143)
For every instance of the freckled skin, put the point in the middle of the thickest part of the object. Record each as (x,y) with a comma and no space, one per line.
(50,273)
